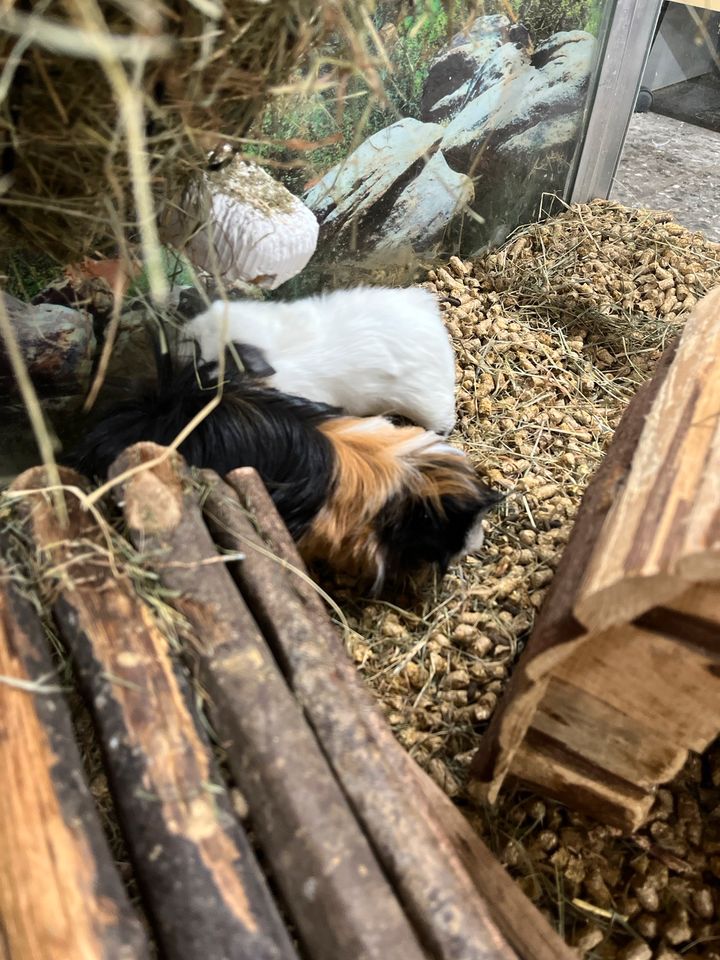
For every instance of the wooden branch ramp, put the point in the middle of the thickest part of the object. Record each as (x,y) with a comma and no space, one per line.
(621,677)
(355,853)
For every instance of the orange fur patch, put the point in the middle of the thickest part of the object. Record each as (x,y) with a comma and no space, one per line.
(375,461)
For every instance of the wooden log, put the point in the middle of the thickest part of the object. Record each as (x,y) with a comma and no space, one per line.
(195,867)
(557,630)
(621,677)
(60,894)
(663,532)
(460,899)
(321,861)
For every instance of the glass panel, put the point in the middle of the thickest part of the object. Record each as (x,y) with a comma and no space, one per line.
(471,120)
(672,150)
(682,76)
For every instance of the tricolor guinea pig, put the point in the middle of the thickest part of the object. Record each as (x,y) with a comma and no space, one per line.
(371,350)
(366,498)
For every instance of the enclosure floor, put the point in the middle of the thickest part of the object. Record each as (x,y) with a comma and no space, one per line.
(671,165)
(696,101)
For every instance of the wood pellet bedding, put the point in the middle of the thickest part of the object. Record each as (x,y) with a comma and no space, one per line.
(553,333)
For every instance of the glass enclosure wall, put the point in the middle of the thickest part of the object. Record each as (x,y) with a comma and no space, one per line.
(472,123)
(672,147)
(682,77)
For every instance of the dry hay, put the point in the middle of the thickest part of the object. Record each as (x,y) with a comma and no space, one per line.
(553,334)
(108,107)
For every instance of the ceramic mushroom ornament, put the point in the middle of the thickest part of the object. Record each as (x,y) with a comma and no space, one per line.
(238,223)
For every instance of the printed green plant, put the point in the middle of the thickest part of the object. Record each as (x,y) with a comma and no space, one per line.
(417,32)
(27,273)
(545,17)
(420,30)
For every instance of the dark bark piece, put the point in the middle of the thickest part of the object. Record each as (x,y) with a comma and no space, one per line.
(462,904)
(196,869)
(60,893)
(329,877)
(557,629)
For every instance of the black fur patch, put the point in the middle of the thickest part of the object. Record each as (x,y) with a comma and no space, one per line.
(399,421)
(253,360)
(416,534)
(254,426)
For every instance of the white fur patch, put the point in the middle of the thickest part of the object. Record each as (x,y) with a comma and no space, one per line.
(366,425)
(475,538)
(370,350)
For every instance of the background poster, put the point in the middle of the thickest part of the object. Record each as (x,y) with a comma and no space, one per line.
(473,116)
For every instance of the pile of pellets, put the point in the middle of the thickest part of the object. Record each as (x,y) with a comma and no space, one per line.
(553,334)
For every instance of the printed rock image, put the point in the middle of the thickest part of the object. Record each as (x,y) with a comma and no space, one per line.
(468,65)
(500,122)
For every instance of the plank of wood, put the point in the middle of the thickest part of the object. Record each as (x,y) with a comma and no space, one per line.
(557,631)
(554,772)
(329,876)
(618,715)
(588,755)
(701,601)
(599,734)
(196,869)
(461,900)
(60,894)
(663,531)
(652,679)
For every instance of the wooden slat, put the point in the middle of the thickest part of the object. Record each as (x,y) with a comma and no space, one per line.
(556,773)
(653,681)
(584,752)
(461,900)
(327,872)
(700,601)
(198,874)
(571,716)
(60,894)
(557,631)
(664,529)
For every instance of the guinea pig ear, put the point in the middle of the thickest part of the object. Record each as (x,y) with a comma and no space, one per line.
(252,358)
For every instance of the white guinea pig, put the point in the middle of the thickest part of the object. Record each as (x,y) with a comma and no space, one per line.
(370,350)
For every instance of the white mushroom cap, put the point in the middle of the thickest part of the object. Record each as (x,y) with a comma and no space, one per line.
(239,223)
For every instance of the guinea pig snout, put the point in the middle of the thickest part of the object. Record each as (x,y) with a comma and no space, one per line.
(474,540)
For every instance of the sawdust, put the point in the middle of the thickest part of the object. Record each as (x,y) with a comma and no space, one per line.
(553,333)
